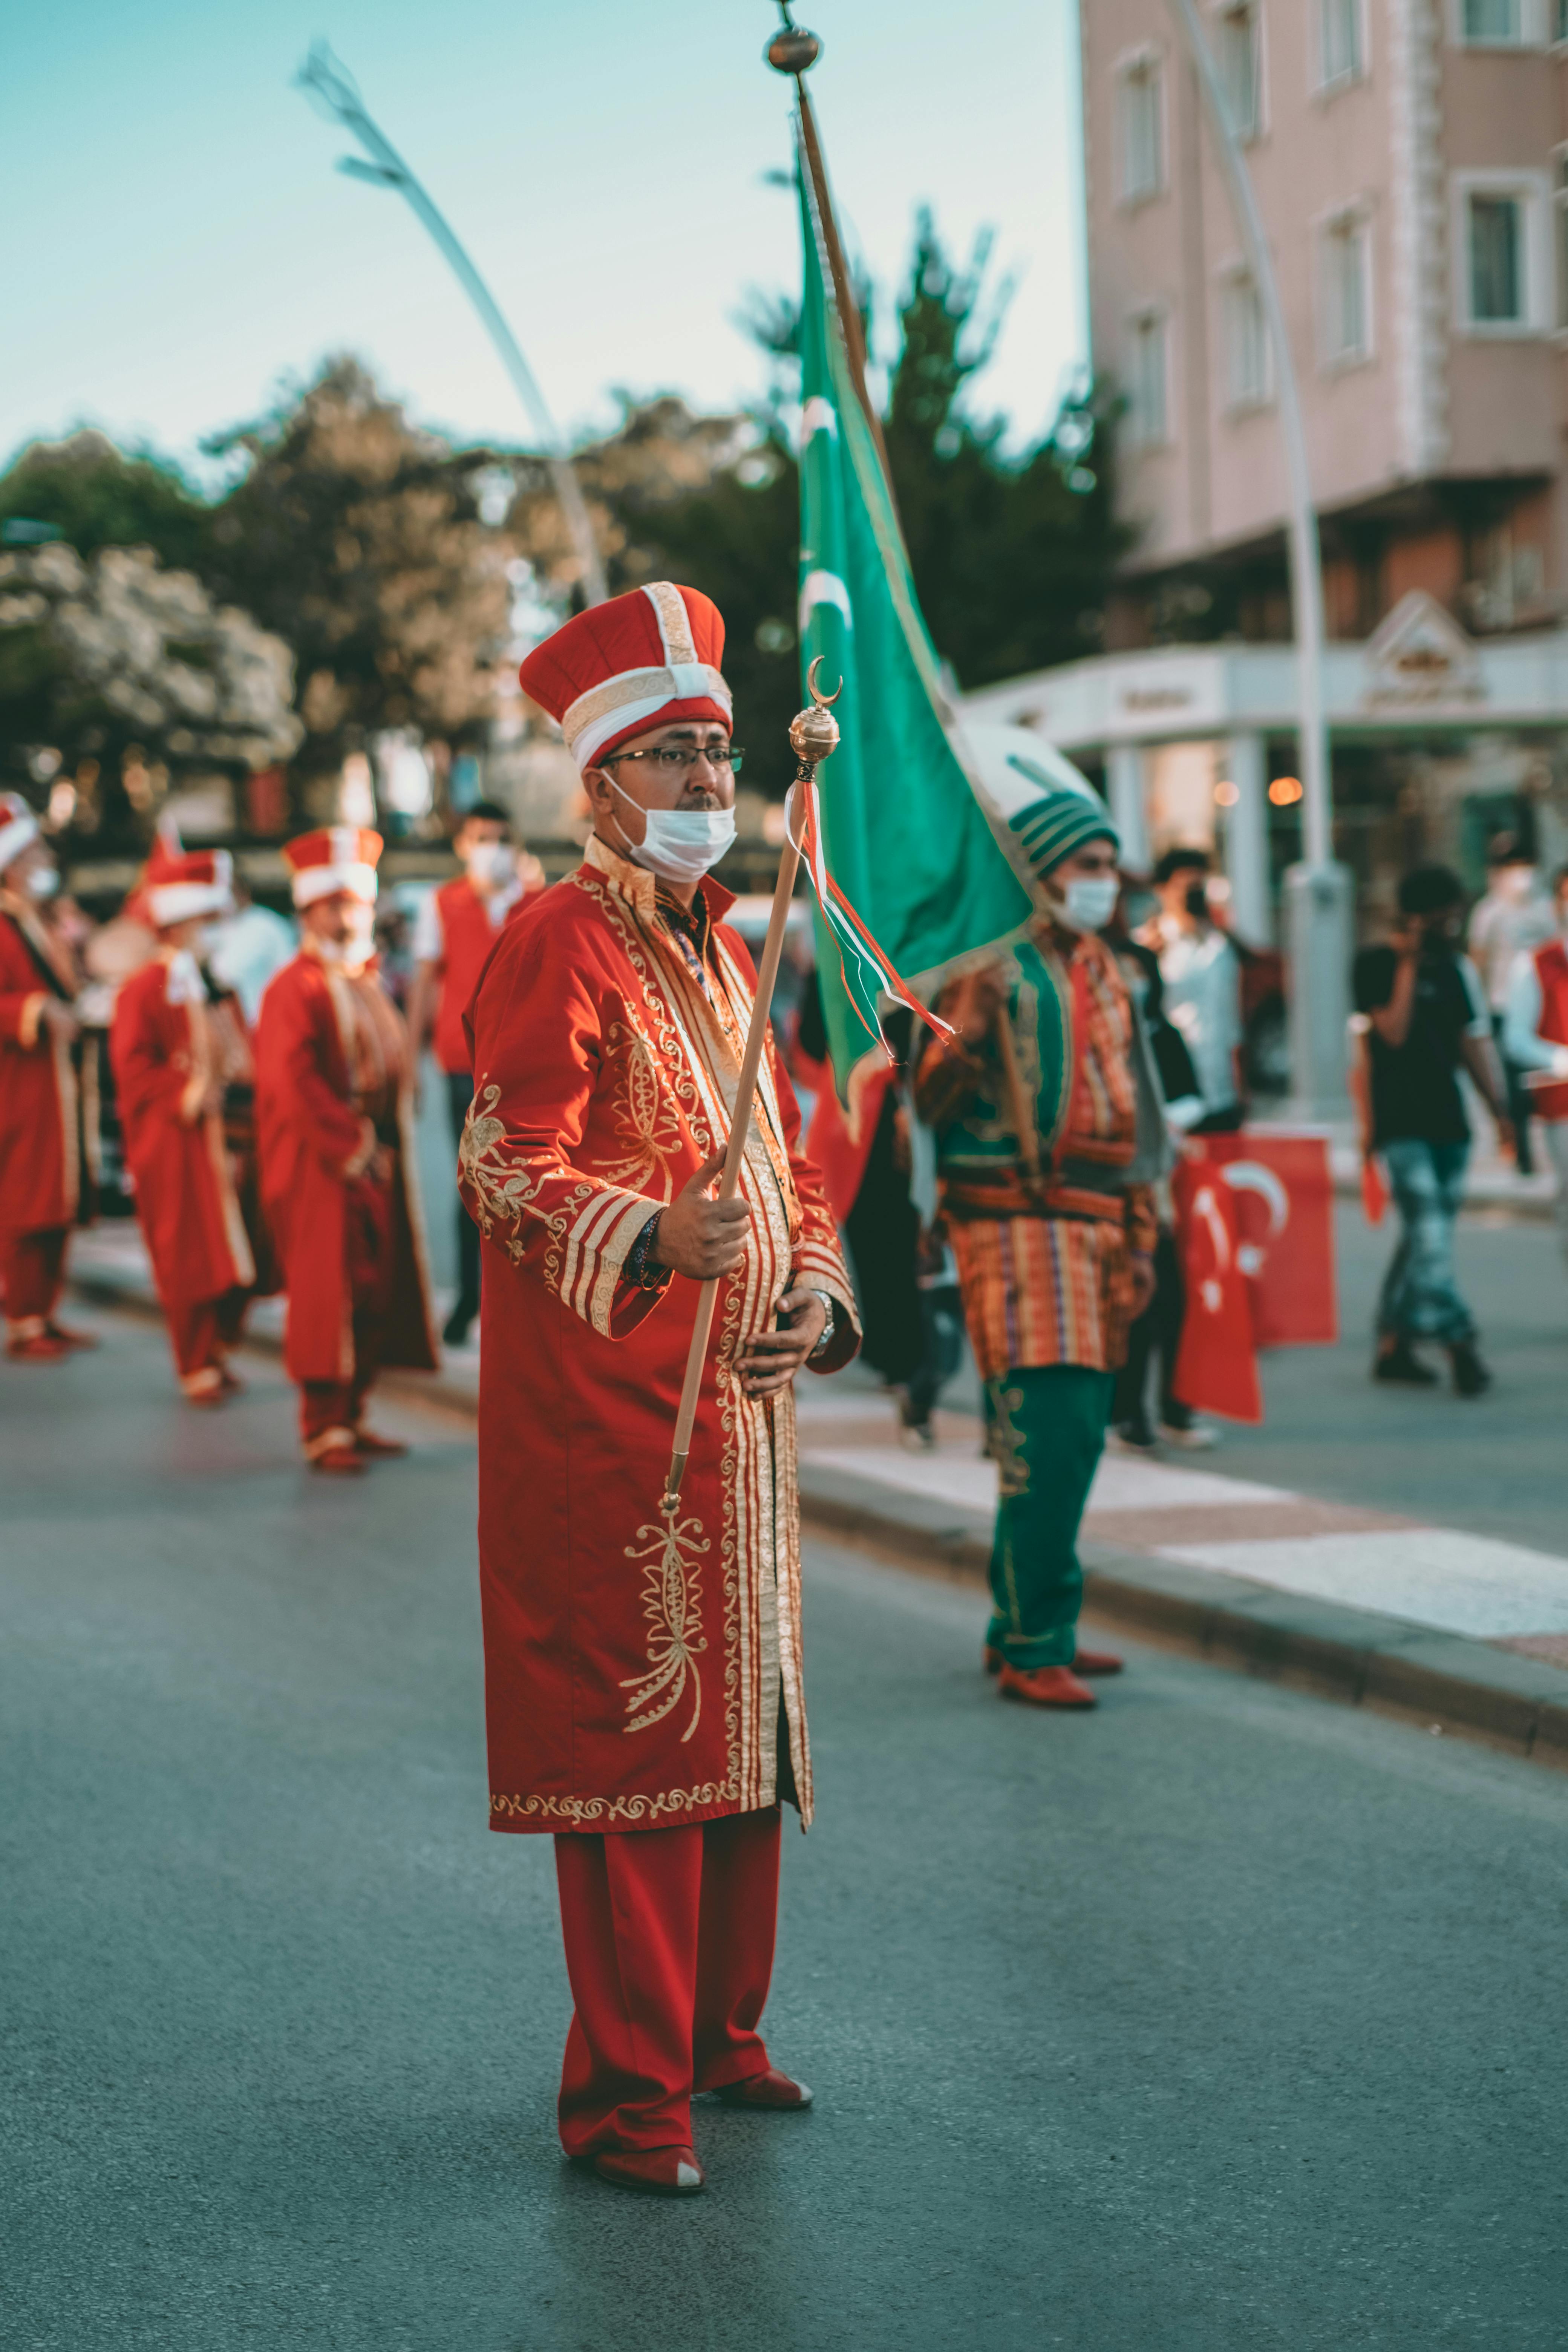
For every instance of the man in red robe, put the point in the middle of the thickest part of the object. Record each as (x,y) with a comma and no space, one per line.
(178,1049)
(454,932)
(48,1097)
(334,1131)
(643,1662)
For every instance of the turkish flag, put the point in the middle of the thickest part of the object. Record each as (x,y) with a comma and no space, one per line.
(1217,1369)
(1282,1193)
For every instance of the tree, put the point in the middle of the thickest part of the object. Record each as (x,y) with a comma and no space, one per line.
(358,537)
(96,496)
(120,670)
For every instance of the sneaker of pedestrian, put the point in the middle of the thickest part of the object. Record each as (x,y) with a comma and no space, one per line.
(1181,1427)
(1471,1378)
(1136,1436)
(916,1434)
(455,1333)
(1401,1365)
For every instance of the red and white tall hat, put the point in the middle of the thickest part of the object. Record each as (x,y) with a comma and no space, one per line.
(179,882)
(337,857)
(642,661)
(18,826)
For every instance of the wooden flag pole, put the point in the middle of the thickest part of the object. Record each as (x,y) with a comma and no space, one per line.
(813,734)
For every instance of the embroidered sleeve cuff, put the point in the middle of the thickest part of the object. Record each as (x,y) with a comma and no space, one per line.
(30,1020)
(598,1245)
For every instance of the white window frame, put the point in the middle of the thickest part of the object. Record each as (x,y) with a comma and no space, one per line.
(1140,438)
(1232,277)
(1532,191)
(1145,65)
(1219,11)
(1557,25)
(1346,221)
(1558,232)
(1533,20)
(1327,84)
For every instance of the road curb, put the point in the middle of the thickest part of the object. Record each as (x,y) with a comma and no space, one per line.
(1351,1655)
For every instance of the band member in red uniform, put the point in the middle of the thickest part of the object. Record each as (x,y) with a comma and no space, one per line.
(178,1049)
(456,929)
(335,1131)
(643,1665)
(48,1097)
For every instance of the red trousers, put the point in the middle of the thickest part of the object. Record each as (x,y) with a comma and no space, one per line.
(329,1410)
(201,1333)
(670,1950)
(32,1266)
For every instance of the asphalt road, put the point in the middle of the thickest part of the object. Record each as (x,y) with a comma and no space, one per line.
(1222,2019)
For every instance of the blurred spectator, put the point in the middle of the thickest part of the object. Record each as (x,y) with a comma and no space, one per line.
(1426,1013)
(248,946)
(1514,917)
(1535,1038)
(1157,1332)
(456,929)
(1201,976)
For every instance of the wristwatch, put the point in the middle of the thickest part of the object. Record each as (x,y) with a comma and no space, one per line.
(828,1327)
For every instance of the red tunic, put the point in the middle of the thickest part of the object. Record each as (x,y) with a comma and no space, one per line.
(164,1061)
(638,1675)
(1552,972)
(467,935)
(312,1136)
(44,1109)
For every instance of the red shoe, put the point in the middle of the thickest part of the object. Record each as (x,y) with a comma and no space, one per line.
(1047,1686)
(37,1348)
(770,2090)
(338,1461)
(72,1338)
(656,2172)
(1096,1662)
(378,1449)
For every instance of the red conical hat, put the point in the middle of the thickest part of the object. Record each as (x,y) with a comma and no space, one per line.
(18,826)
(642,661)
(179,882)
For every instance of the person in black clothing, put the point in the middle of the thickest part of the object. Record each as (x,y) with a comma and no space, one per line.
(1425,1013)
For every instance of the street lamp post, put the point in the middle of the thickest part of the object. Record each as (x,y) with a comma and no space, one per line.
(1318,903)
(324,78)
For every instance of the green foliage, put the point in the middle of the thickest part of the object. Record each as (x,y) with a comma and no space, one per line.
(96,495)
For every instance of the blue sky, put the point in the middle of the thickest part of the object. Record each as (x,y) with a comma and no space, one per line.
(178,239)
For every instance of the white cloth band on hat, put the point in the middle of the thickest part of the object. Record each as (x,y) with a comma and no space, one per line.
(14,838)
(320,881)
(619,703)
(177,902)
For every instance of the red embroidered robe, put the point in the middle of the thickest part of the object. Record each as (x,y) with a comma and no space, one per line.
(638,1675)
(165,1060)
(49,1088)
(326,1045)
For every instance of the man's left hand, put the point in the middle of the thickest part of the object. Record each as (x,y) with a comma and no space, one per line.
(770,1360)
(1142,1283)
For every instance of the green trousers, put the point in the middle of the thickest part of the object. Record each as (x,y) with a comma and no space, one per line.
(1047,1427)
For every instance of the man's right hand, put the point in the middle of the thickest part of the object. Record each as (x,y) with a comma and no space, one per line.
(973,1007)
(702,1237)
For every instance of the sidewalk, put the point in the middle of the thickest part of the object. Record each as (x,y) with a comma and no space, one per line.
(1459,1631)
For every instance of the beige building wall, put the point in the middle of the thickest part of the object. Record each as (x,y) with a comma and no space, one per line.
(1389,157)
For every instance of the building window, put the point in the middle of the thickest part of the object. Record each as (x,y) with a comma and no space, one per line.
(1248,375)
(1239,55)
(1559,22)
(1142,124)
(1497,262)
(1347,290)
(1340,41)
(1148,381)
(1491,24)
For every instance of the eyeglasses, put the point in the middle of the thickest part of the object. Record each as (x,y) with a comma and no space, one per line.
(672,759)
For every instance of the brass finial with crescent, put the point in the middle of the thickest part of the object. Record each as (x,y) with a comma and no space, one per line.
(814,732)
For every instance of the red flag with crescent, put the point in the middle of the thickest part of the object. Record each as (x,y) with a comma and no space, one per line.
(1216,1367)
(1281,1195)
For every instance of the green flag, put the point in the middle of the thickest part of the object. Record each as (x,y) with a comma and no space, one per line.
(905,836)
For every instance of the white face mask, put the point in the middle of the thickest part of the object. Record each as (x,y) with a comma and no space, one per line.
(491,863)
(680,844)
(43,881)
(359,946)
(1088,901)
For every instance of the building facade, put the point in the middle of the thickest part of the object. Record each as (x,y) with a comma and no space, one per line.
(1410,158)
